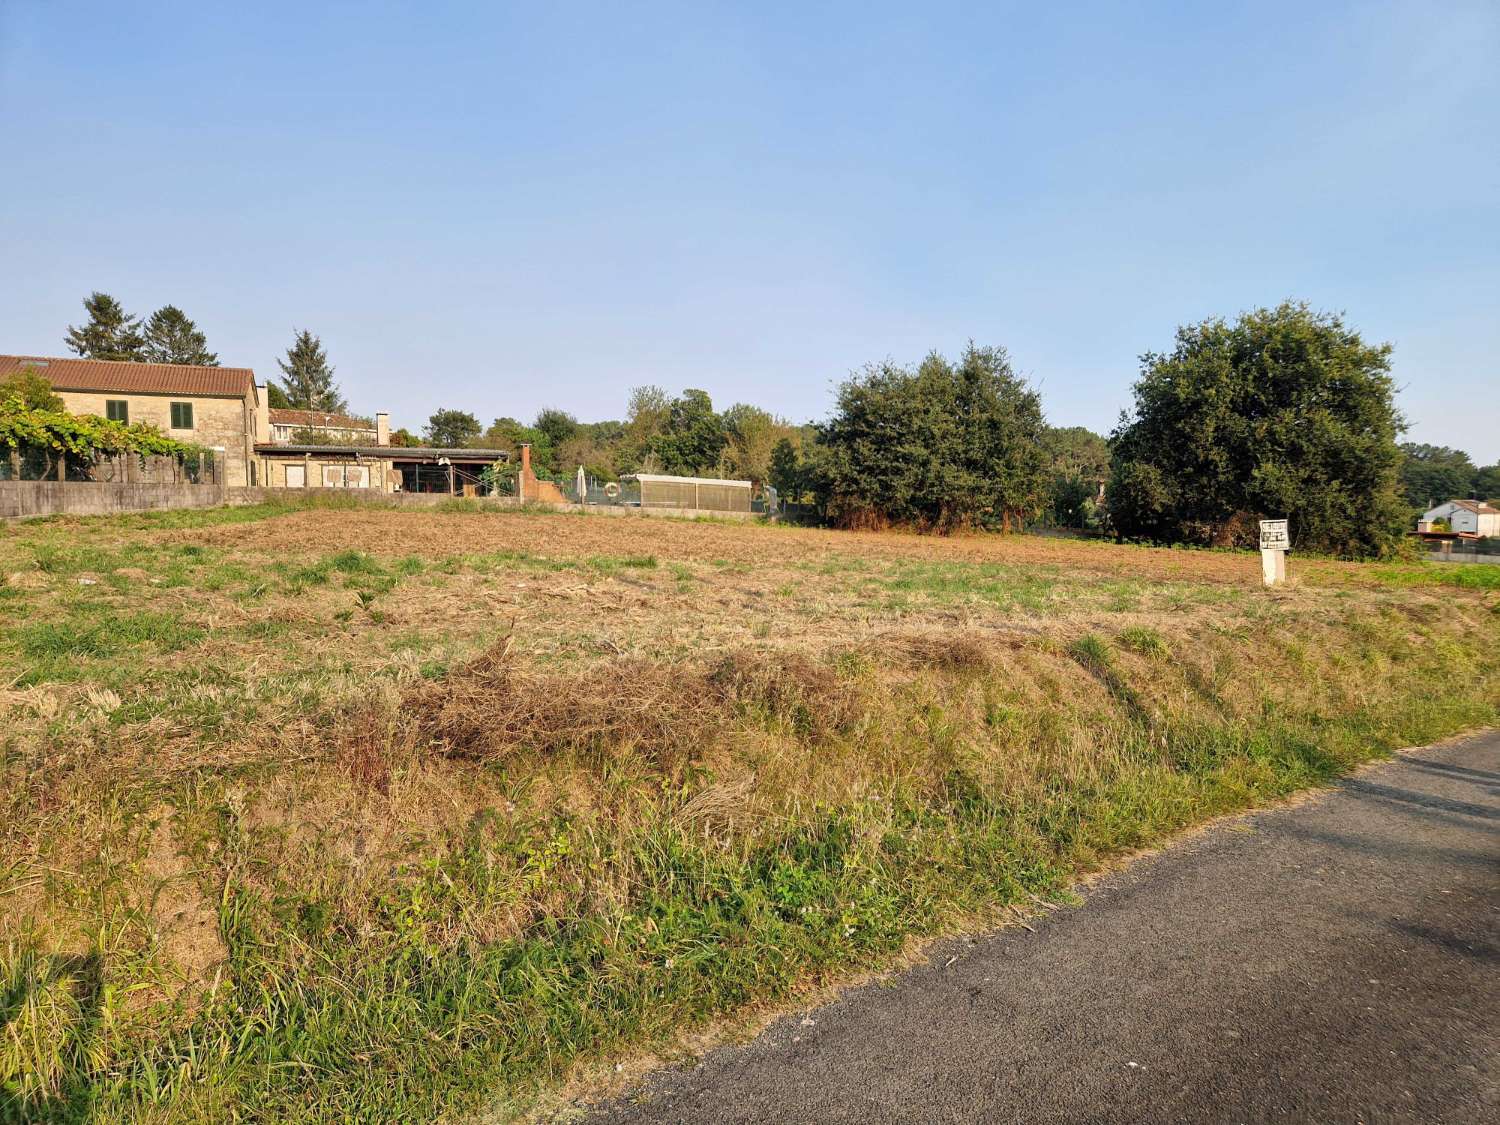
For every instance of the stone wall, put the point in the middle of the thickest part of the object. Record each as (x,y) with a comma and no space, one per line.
(20,499)
(27,498)
(218,423)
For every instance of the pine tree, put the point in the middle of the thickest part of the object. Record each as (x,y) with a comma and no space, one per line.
(111,332)
(173,338)
(308,378)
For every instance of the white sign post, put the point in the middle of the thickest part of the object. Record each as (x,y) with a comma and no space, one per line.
(1274,544)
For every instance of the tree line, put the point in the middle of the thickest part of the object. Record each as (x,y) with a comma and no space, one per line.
(169,335)
(1284,412)
(682,435)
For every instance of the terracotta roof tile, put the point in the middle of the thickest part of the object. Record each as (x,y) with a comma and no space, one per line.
(138,378)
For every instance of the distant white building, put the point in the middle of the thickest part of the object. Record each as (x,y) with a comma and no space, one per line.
(1465,517)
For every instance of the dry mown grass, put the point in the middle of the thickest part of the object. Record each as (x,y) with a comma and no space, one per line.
(361,763)
(709,541)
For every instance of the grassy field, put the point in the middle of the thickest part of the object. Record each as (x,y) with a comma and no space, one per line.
(331,814)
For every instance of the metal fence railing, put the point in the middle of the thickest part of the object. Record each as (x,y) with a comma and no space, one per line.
(618,494)
(33,463)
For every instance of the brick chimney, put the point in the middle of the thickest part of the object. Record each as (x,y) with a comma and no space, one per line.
(382,427)
(525,479)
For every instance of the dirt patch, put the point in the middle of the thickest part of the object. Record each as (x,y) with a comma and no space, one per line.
(424,533)
(185,923)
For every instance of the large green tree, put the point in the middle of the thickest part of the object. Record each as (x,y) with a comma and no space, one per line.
(109,333)
(945,447)
(750,436)
(171,337)
(693,437)
(452,429)
(1431,474)
(645,422)
(1286,412)
(557,425)
(307,376)
(1487,483)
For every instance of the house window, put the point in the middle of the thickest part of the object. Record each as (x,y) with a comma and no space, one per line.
(182,416)
(117,410)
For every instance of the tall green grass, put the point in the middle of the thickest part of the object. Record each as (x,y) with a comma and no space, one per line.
(404,1012)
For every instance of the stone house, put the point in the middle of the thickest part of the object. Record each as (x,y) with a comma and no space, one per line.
(225,410)
(215,407)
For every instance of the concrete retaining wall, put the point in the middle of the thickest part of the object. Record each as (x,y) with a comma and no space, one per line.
(1463,557)
(21,499)
(239,496)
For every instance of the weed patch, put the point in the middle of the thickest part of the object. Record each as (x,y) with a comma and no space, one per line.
(103,633)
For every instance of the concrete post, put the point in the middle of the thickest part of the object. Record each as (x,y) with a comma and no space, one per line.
(1273,567)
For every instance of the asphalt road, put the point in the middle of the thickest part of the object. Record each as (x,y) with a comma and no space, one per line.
(1337,961)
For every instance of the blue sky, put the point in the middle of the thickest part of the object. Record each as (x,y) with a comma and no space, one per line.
(504,207)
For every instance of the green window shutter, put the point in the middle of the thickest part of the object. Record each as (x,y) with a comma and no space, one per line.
(117,410)
(182,416)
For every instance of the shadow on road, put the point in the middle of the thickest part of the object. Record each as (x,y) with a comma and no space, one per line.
(1447,769)
(1358,787)
(1389,848)
(1477,949)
